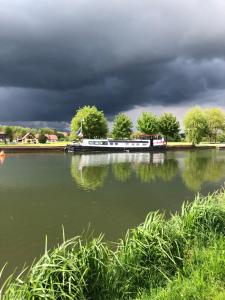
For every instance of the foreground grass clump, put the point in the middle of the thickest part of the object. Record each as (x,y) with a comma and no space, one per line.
(202,275)
(179,258)
(71,271)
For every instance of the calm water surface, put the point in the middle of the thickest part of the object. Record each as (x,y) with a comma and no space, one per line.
(110,192)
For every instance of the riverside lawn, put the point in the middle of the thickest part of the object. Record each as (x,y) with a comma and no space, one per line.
(179,258)
(20,145)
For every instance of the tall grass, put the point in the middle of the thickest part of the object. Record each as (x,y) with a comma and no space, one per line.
(202,275)
(154,259)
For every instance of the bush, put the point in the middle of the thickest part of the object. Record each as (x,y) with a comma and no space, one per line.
(221,137)
(42,139)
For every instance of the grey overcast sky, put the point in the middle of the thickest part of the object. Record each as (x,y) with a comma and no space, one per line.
(120,55)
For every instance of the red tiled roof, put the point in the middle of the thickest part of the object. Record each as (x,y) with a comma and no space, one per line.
(51,137)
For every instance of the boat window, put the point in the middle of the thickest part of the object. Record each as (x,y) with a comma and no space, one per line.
(116,143)
(98,143)
(111,143)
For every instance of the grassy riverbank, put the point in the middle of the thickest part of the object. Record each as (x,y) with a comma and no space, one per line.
(179,258)
(20,148)
(186,145)
(19,145)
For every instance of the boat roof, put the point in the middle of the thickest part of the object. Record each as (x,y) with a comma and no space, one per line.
(119,141)
(128,141)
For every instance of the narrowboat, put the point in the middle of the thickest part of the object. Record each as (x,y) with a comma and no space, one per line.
(151,143)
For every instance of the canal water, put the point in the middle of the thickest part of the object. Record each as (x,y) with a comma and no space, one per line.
(102,193)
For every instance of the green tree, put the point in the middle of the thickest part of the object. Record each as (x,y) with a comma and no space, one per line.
(9,132)
(61,136)
(136,135)
(195,125)
(93,121)
(19,132)
(221,137)
(216,122)
(42,139)
(47,130)
(148,123)
(168,125)
(122,127)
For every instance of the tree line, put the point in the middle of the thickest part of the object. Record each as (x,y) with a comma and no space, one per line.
(94,124)
(199,124)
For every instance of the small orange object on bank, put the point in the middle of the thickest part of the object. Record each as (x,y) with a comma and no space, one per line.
(2,153)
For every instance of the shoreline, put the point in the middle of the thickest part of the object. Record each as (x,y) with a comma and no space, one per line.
(26,149)
(52,148)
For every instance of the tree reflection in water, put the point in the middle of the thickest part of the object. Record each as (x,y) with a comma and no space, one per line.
(90,171)
(89,177)
(168,170)
(165,170)
(200,167)
(122,171)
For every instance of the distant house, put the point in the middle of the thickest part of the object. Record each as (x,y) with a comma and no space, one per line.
(28,138)
(51,138)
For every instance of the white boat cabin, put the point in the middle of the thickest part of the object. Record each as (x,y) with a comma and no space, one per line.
(110,143)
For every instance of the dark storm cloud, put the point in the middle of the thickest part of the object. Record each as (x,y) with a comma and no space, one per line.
(58,55)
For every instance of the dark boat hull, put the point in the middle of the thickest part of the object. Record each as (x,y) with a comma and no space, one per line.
(85,149)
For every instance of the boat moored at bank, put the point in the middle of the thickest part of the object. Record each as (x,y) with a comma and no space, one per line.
(150,143)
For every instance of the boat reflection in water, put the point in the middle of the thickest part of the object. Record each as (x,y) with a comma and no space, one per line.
(90,171)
